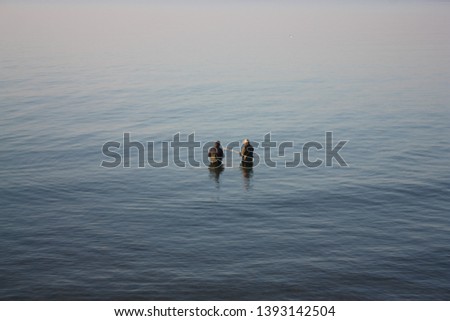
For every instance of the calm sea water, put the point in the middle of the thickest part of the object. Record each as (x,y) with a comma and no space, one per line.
(75,77)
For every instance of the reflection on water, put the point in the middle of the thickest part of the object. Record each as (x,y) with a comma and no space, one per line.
(247,174)
(215,172)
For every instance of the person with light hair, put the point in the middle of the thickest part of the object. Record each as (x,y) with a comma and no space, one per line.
(247,153)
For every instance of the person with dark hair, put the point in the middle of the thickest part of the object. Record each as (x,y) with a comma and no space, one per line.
(215,155)
(247,154)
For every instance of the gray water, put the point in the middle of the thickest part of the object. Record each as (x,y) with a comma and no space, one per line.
(75,77)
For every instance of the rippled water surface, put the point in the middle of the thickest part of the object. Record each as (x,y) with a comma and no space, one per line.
(75,77)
